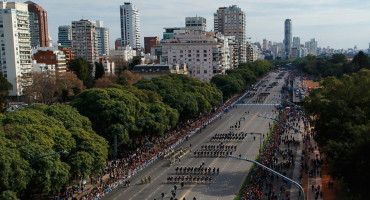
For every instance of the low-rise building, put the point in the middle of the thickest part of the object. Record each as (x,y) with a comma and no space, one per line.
(152,71)
(51,56)
(205,53)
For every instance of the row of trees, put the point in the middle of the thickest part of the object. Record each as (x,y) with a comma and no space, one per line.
(238,79)
(189,96)
(341,112)
(112,109)
(40,130)
(337,65)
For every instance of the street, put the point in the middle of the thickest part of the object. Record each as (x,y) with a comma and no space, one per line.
(232,171)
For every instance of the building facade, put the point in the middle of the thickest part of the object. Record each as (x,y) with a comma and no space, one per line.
(296,42)
(65,36)
(231,21)
(149,43)
(52,57)
(196,23)
(312,47)
(288,37)
(38,25)
(68,53)
(102,37)
(204,54)
(130,25)
(15,41)
(84,41)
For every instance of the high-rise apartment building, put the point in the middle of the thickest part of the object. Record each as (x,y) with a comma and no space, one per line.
(38,25)
(265,45)
(196,23)
(230,21)
(311,46)
(15,42)
(149,43)
(84,42)
(65,36)
(102,37)
(130,25)
(288,37)
(296,42)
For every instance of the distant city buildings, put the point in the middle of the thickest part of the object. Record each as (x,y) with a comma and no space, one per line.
(296,42)
(231,21)
(15,41)
(130,26)
(84,41)
(65,36)
(312,47)
(288,37)
(102,38)
(39,30)
(196,23)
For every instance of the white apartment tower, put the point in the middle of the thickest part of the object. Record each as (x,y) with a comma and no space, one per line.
(130,26)
(84,41)
(102,37)
(230,21)
(15,41)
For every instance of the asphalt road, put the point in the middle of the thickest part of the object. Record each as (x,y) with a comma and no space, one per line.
(232,171)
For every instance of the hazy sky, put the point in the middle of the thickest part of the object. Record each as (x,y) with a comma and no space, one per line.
(334,23)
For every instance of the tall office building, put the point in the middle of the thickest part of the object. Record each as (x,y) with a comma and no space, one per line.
(102,37)
(230,21)
(38,25)
(130,25)
(65,36)
(296,42)
(288,37)
(84,42)
(196,23)
(149,43)
(15,41)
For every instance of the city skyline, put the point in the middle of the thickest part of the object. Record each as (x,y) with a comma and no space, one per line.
(335,23)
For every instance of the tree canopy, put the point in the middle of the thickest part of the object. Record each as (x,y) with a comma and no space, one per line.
(336,66)
(40,130)
(238,79)
(83,70)
(112,109)
(188,95)
(341,111)
(5,86)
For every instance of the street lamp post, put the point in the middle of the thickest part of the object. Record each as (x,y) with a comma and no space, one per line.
(50,154)
(272,171)
(126,127)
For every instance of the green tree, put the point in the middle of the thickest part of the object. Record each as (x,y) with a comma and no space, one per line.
(39,130)
(83,70)
(5,86)
(341,113)
(99,70)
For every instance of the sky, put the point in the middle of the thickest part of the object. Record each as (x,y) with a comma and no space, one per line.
(340,24)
